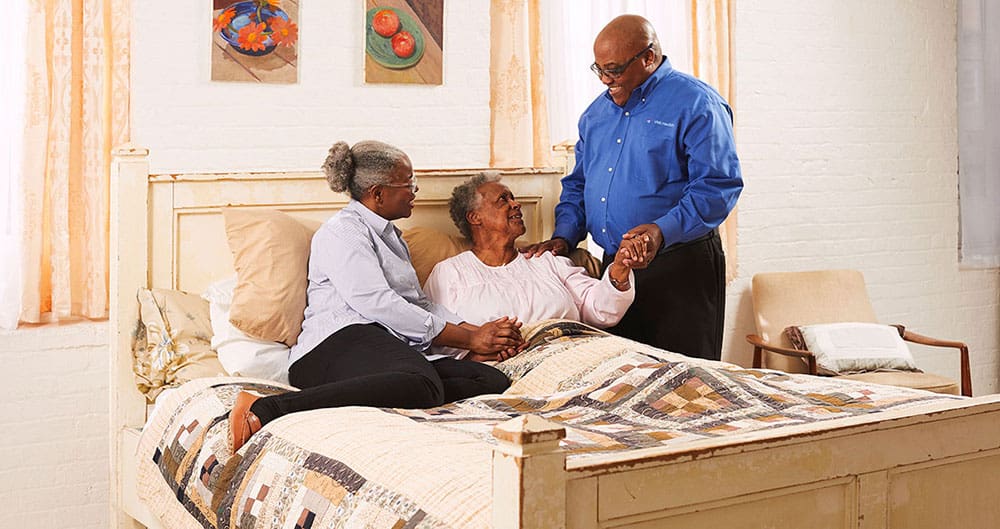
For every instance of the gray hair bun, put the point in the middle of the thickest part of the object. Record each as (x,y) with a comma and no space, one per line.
(339,167)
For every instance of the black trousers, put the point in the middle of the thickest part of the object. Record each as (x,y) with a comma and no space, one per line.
(364,365)
(680,299)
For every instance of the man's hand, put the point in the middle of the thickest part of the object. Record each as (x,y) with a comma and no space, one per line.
(632,252)
(654,240)
(557,246)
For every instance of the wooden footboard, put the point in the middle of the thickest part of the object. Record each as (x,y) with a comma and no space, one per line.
(938,466)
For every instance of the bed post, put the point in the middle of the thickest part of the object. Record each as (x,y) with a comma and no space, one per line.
(529,475)
(128,256)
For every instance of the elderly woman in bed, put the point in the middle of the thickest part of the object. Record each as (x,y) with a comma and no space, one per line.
(368,325)
(493,278)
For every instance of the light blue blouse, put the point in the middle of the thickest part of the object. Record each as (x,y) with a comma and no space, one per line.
(359,273)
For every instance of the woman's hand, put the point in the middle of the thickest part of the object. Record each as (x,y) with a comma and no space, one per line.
(634,253)
(653,238)
(496,340)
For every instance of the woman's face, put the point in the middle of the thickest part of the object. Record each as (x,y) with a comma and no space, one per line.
(498,211)
(398,194)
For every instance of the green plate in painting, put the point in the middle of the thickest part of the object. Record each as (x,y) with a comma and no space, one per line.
(379,48)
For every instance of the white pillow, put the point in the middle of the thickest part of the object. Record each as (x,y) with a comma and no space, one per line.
(240,354)
(842,348)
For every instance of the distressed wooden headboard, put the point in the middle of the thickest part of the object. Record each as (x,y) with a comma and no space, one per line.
(167,231)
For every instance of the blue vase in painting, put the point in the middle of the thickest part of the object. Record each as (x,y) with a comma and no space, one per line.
(255,27)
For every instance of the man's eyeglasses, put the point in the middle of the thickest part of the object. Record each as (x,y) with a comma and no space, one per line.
(412,184)
(616,72)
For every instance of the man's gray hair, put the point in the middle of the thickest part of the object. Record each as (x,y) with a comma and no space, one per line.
(465,198)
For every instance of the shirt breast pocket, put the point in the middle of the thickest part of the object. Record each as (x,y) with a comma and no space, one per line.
(656,147)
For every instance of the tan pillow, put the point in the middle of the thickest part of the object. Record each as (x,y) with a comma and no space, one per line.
(271,256)
(173,342)
(429,247)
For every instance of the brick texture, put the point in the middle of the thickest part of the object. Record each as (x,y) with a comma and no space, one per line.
(846,123)
(54,408)
(190,123)
(847,127)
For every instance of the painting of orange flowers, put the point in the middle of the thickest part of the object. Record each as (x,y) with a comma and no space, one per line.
(255,40)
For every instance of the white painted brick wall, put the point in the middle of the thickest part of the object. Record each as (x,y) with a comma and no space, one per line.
(54,411)
(847,127)
(846,123)
(190,123)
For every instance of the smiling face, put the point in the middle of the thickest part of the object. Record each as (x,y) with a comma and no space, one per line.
(397,196)
(498,213)
(613,49)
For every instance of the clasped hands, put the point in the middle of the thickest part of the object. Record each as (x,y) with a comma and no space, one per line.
(496,340)
(636,250)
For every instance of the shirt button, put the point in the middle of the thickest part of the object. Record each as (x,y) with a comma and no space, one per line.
(610,169)
(604,199)
(619,140)
(604,230)
(644,100)
(626,113)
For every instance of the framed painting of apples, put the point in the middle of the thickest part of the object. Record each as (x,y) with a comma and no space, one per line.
(255,40)
(403,41)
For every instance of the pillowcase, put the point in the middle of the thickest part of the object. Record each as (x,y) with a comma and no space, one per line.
(172,343)
(842,348)
(271,256)
(239,354)
(428,247)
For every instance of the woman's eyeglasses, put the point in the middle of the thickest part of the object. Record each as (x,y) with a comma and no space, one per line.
(616,72)
(412,184)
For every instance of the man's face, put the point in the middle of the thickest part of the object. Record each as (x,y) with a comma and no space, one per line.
(610,55)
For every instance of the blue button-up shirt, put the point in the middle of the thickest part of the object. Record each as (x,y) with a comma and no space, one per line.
(359,273)
(667,157)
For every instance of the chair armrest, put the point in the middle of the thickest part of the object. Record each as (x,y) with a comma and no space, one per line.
(963,350)
(760,345)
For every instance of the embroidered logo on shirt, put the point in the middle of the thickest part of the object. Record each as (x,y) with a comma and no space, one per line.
(661,123)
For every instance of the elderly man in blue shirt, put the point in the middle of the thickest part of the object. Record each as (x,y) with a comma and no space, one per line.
(656,158)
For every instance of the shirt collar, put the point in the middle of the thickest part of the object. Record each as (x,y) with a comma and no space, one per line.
(371,218)
(643,90)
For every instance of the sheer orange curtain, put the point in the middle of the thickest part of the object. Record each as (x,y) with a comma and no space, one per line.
(519,128)
(76,109)
(711,50)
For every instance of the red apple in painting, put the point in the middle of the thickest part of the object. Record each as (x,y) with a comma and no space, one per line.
(403,44)
(386,22)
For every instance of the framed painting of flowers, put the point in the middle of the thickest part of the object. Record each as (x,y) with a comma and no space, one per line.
(255,40)
(403,41)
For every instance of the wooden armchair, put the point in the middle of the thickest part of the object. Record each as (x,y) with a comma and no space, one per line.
(782,299)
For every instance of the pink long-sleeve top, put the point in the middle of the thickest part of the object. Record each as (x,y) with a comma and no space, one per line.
(533,289)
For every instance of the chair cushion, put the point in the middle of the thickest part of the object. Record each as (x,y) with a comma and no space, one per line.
(924,381)
(842,348)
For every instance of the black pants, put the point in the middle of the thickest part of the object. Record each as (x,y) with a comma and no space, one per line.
(680,299)
(364,365)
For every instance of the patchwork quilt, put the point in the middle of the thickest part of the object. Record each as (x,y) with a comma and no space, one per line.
(394,468)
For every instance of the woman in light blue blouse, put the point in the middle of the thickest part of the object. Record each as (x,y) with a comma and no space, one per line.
(368,326)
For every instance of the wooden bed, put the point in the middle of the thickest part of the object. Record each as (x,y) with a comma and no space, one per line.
(933,466)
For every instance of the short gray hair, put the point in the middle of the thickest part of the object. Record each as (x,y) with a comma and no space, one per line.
(465,198)
(356,169)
